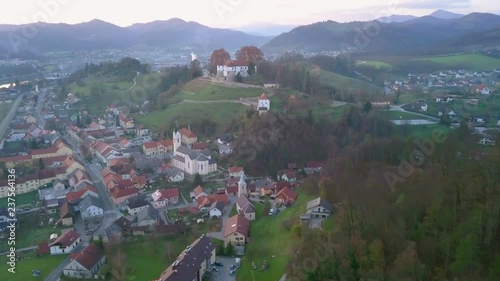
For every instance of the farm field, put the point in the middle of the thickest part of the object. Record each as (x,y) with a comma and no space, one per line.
(30,262)
(185,113)
(347,83)
(271,236)
(474,62)
(376,64)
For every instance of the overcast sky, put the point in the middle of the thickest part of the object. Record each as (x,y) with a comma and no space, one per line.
(227,13)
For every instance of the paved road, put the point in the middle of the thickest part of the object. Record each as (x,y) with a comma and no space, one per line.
(401,109)
(6,121)
(225,215)
(39,107)
(56,273)
(21,250)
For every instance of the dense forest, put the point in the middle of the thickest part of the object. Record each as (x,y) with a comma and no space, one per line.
(434,219)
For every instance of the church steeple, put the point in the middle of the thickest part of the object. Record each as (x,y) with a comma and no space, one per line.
(242,186)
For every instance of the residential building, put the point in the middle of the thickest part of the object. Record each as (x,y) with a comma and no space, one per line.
(86,264)
(157,148)
(235,171)
(236,230)
(263,104)
(90,207)
(192,263)
(164,197)
(136,205)
(319,208)
(65,243)
(125,122)
(148,216)
(216,209)
(198,192)
(66,214)
(141,131)
(188,137)
(286,196)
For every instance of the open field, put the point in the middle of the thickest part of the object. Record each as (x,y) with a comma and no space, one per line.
(108,94)
(347,83)
(22,199)
(30,262)
(376,64)
(271,236)
(467,61)
(420,131)
(218,92)
(147,258)
(185,113)
(32,229)
(400,115)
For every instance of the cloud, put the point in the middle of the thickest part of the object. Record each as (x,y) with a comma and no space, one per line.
(435,4)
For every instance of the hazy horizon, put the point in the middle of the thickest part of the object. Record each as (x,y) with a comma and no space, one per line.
(228,13)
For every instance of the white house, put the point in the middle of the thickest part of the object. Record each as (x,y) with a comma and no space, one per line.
(216,209)
(90,207)
(173,175)
(444,99)
(135,206)
(483,89)
(319,208)
(263,104)
(65,243)
(163,197)
(235,171)
(86,264)
(233,67)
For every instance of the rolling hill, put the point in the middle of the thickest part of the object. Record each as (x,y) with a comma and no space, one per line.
(98,34)
(424,35)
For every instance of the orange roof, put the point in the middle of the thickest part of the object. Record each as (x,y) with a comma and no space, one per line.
(170,193)
(75,195)
(235,169)
(198,190)
(150,145)
(199,146)
(14,159)
(167,143)
(187,133)
(263,97)
(288,195)
(119,193)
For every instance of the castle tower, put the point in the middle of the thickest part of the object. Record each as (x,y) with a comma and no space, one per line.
(242,186)
(177,139)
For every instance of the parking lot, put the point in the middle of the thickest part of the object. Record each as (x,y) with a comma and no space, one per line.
(223,273)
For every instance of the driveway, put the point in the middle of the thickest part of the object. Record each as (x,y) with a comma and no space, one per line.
(225,215)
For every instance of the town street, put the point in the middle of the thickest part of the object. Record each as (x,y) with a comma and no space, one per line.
(225,215)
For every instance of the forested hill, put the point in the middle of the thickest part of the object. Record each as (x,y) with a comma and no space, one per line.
(425,35)
(398,217)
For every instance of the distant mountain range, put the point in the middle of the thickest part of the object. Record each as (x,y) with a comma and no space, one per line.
(97,34)
(439,14)
(439,32)
(442,33)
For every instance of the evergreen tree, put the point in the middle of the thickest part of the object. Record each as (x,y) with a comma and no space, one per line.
(251,68)
(239,78)
(41,165)
(197,180)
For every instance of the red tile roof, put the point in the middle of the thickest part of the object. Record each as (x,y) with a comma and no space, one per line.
(119,193)
(67,239)
(170,193)
(199,146)
(187,133)
(263,97)
(90,256)
(287,195)
(16,159)
(150,145)
(77,195)
(235,169)
(237,223)
(232,189)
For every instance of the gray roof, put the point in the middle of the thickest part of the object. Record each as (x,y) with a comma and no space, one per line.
(49,193)
(137,203)
(244,203)
(199,155)
(217,205)
(89,201)
(319,202)
(148,213)
(180,158)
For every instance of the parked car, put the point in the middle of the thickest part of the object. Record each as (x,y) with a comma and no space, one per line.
(232,272)
(216,269)
(232,267)
(218,263)
(272,212)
